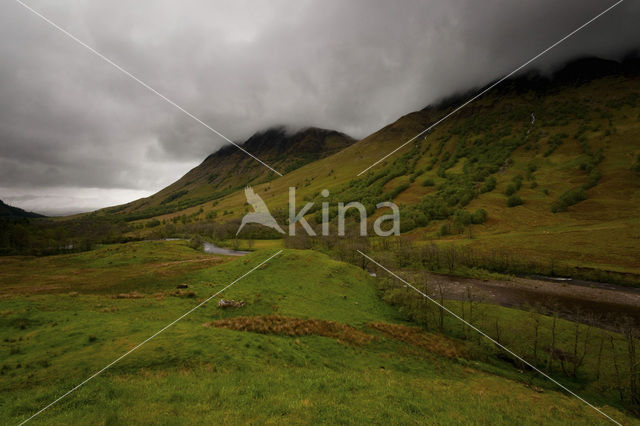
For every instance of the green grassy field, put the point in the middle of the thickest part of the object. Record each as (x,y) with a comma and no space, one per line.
(65,317)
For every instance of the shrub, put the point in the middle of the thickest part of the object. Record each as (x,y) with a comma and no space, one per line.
(517,181)
(174,196)
(489,184)
(554,142)
(428,182)
(466,197)
(461,218)
(479,216)
(152,223)
(515,186)
(195,242)
(568,198)
(397,190)
(514,200)
(594,178)
(407,224)
(445,230)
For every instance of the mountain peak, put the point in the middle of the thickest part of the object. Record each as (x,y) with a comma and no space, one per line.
(280,139)
(229,168)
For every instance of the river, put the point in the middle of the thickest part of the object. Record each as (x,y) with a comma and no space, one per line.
(214,249)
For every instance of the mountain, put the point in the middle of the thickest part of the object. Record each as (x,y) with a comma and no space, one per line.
(551,160)
(230,169)
(7,211)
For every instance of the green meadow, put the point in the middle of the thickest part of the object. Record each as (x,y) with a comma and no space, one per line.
(318,341)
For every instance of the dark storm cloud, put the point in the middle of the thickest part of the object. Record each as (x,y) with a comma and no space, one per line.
(71,124)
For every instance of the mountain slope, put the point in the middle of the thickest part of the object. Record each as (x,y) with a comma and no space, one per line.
(572,168)
(230,169)
(7,211)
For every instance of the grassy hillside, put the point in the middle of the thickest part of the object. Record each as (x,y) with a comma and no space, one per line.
(552,163)
(314,344)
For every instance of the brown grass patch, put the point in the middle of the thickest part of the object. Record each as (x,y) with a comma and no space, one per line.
(131,295)
(277,324)
(417,337)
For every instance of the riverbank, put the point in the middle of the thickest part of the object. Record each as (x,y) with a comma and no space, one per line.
(599,304)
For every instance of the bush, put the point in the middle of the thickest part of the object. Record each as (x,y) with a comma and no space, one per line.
(397,190)
(445,230)
(514,186)
(554,142)
(479,217)
(514,200)
(489,184)
(428,182)
(517,181)
(407,224)
(568,198)
(511,189)
(174,196)
(594,178)
(461,218)
(195,242)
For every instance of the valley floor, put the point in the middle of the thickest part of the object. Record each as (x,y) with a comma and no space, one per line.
(315,343)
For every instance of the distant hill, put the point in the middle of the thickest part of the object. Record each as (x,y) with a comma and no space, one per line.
(7,211)
(230,169)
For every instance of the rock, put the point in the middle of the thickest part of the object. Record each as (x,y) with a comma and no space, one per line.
(230,303)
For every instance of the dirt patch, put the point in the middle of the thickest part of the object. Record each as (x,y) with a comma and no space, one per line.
(277,324)
(417,337)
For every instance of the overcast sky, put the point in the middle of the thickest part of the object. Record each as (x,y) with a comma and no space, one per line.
(76,134)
